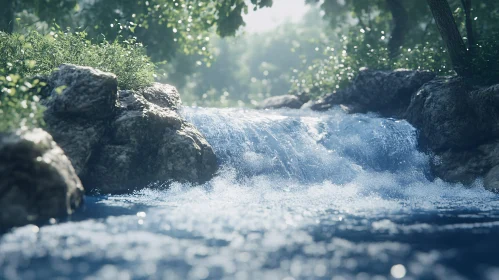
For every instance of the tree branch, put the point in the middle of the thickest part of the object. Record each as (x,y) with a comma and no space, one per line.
(469,25)
(449,32)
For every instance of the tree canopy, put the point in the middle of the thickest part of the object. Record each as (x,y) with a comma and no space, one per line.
(179,41)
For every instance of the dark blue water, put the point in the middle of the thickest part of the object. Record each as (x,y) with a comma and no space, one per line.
(301,195)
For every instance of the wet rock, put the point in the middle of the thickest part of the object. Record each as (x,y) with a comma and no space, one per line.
(465,165)
(123,141)
(459,123)
(445,116)
(282,101)
(37,181)
(491,180)
(385,92)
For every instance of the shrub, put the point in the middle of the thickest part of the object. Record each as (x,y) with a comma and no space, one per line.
(26,56)
(368,48)
(37,54)
(19,102)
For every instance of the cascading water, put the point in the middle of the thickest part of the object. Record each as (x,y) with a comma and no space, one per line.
(300,195)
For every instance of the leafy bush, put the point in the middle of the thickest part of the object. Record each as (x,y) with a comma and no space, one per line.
(24,57)
(36,54)
(365,48)
(19,102)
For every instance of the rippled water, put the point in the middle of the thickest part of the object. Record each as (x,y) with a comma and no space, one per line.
(301,195)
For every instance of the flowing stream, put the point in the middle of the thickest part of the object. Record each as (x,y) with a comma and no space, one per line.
(300,195)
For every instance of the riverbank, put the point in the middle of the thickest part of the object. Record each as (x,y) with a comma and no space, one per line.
(457,122)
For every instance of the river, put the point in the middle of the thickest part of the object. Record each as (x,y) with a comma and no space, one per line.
(300,195)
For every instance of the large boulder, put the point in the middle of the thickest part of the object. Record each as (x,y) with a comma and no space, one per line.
(150,142)
(387,93)
(81,103)
(459,124)
(444,115)
(282,101)
(37,181)
(120,141)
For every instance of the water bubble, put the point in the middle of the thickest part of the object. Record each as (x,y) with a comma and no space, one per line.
(141,214)
(398,271)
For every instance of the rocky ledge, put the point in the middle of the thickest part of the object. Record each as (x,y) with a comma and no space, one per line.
(458,123)
(119,141)
(282,101)
(387,93)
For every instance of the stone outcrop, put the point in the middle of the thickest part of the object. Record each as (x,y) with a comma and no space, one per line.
(282,101)
(149,142)
(119,141)
(37,181)
(81,104)
(459,123)
(387,93)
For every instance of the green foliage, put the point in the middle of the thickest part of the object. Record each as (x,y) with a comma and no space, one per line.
(368,24)
(19,104)
(252,67)
(33,54)
(166,27)
(486,62)
(364,48)
(26,56)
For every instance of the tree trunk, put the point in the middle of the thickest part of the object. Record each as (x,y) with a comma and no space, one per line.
(7,16)
(469,25)
(447,27)
(400,21)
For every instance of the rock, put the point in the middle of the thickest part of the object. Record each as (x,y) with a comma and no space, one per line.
(37,181)
(81,102)
(465,166)
(387,93)
(282,101)
(444,116)
(147,143)
(165,96)
(491,180)
(82,92)
(459,123)
(123,141)
(451,114)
